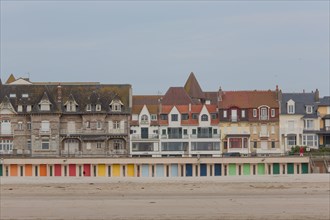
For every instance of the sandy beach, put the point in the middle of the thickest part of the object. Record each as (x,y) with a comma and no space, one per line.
(231,197)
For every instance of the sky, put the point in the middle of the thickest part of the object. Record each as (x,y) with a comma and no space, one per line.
(235,45)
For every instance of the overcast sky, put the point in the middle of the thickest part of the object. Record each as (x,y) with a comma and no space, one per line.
(154,45)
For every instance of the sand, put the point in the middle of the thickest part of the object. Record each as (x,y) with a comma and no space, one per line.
(237,197)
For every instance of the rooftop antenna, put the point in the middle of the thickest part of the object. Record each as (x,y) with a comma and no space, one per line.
(28,74)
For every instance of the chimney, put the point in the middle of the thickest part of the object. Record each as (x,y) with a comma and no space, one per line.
(189,107)
(220,94)
(59,93)
(277,93)
(160,105)
(317,95)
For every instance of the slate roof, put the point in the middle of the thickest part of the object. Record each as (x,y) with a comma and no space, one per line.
(248,99)
(325,101)
(83,94)
(301,100)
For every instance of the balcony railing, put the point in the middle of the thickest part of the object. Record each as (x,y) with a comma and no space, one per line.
(6,133)
(148,137)
(205,136)
(93,131)
(174,136)
(44,132)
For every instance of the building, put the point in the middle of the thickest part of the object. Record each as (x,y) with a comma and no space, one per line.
(299,121)
(324,113)
(183,122)
(249,121)
(64,119)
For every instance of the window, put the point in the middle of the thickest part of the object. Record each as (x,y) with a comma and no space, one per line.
(6,145)
(215,131)
(254,129)
(163,131)
(45,126)
(45,144)
(291,109)
(174,117)
(273,129)
(254,113)
(234,115)
(194,116)
(44,106)
(25,95)
(309,124)
(12,95)
(89,107)
(243,113)
(20,125)
(153,117)
(184,116)
(98,107)
(205,117)
(115,105)
(264,130)
(309,109)
(28,144)
(255,144)
(163,117)
(214,115)
(5,127)
(19,108)
(225,113)
(70,107)
(88,124)
(28,108)
(98,125)
(310,140)
(264,114)
(193,131)
(185,131)
(144,119)
(291,125)
(117,144)
(291,140)
(98,145)
(116,125)
(273,144)
(327,124)
(28,126)
(273,113)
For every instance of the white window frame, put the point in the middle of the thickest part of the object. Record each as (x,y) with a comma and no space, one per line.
(272,112)
(306,127)
(98,125)
(116,125)
(20,125)
(45,125)
(291,109)
(225,113)
(98,107)
(19,108)
(28,108)
(243,113)
(153,117)
(44,143)
(254,113)
(89,107)
(309,109)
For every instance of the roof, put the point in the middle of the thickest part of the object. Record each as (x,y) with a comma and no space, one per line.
(176,96)
(325,101)
(248,99)
(83,94)
(301,101)
(10,79)
(193,88)
(146,99)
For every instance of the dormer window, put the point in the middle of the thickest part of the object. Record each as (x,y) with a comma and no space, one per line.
(19,108)
(12,95)
(264,113)
(98,107)
(44,106)
(71,107)
(153,117)
(273,113)
(25,95)
(28,108)
(115,105)
(254,113)
(89,107)
(290,106)
(204,117)
(309,109)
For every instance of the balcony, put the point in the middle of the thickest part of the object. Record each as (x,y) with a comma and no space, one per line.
(44,132)
(140,137)
(264,117)
(263,134)
(206,135)
(6,133)
(234,119)
(174,136)
(92,131)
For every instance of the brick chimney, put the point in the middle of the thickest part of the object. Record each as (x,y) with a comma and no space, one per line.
(317,95)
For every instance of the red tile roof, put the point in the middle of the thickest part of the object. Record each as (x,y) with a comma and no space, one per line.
(193,88)
(176,96)
(248,99)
